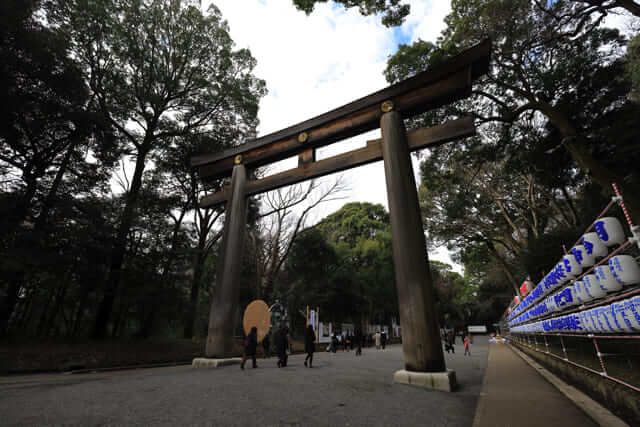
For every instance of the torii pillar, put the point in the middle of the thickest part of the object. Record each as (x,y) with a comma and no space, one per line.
(225,297)
(421,344)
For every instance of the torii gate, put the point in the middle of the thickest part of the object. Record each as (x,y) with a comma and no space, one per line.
(433,88)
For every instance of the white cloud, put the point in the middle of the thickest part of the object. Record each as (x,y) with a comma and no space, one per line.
(316,63)
(426,20)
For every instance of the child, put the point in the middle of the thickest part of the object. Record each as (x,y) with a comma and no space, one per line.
(467,344)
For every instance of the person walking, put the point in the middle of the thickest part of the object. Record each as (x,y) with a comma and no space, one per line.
(467,345)
(358,338)
(452,340)
(250,347)
(377,337)
(309,345)
(383,339)
(445,340)
(266,345)
(282,344)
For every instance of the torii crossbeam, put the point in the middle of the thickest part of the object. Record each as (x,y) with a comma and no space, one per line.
(445,83)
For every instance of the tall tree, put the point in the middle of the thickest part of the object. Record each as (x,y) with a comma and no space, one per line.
(284,215)
(46,124)
(603,6)
(158,70)
(394,11)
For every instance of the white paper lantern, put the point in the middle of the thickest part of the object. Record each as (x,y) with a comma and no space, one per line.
(622,317)
(593,245)
(592,287)
(632,310)
(625,269)
(571,266)
(583,295)
(610,231)
(582,256)
(606,279)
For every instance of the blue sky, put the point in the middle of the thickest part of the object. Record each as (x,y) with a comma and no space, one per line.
(315,63)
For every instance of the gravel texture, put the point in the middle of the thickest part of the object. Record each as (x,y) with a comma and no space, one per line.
(340,389)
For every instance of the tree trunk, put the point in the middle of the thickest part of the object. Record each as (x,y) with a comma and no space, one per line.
(118,251)
(16,278)
(50,198)
(61,294)
(198,269)
(631,6)
(146,327)
(602,175)
(575,145)
(504,266)
(80,309)
(40,329)
(574,213)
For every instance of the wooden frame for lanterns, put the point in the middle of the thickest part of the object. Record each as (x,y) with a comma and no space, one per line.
(447,82)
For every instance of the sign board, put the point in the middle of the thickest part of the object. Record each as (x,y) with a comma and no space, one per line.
(257,314)
(477,329)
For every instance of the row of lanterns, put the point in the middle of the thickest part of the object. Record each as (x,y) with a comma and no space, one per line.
(620,271)
(622,316)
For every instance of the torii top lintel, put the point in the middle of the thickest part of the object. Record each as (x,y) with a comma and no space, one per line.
(447,82)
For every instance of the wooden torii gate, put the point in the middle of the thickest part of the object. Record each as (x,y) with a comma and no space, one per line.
(433,88)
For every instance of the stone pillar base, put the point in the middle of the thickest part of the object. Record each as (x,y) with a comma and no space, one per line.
(205,362)
(443,381)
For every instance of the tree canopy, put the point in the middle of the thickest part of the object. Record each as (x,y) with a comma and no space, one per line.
(555,116)
(125,87)
(393,11)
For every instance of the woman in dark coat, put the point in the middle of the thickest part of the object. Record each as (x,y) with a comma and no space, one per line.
(358,338)
(250,347)
(282,343)
(266,345)
(309,345)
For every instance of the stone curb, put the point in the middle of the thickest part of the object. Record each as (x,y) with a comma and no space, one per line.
(442,381)
(483,388)
(204,362)
(124,368)
(593,409)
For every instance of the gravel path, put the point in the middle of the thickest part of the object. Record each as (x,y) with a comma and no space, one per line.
(341,389)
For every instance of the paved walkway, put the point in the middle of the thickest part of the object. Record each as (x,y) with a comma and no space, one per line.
(340,390)
(514,394)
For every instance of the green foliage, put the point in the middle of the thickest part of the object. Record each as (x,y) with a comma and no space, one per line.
(90,85)
(344,265)
(633,67)
(555,130)
(393,11)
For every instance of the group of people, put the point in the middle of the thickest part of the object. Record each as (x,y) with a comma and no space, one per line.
(347,341)
(282,345)
(449,339)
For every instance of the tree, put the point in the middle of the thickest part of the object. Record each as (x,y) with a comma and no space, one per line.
(46,126)
(546,62)
(394,11)
(284,214)
(158,70)
(556,94)
(603,6)
(344,264)
(633,67)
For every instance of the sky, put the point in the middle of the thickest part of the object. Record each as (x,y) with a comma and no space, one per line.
(315,63)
